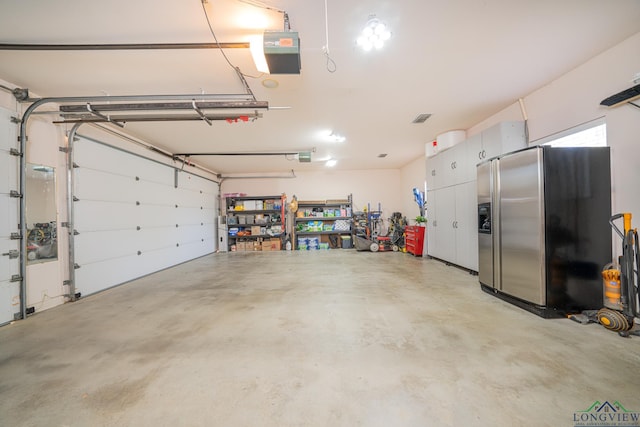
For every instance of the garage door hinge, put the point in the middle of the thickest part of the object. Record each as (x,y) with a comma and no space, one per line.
(75,199)
(15,194)
(16,278)
(16,236)
(15,152)
(15,120)
(64,149)
(12,254)
(76,232)
(76,266)
(75,165)
(64,224)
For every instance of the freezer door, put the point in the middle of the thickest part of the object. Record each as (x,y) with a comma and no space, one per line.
(521,207)
(485,246)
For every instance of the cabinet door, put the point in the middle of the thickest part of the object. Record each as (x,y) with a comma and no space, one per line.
(503,138)
(475,153)
(434,172)
(432,223)
(445,227)
(466,226)
(456,165)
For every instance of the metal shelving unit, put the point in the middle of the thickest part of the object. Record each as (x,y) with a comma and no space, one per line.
(322,219)
(255,223)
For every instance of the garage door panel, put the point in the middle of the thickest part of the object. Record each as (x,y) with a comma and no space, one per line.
(94,155)
(152,172)
(8,266)
(9,301)
(9,214)
(110,248)
(191,182)
(8,172)
(189,215)
(157,238)
(95,277)
(103,186)
(113,216)
(156,216)
(190,233)
(8,130)
(149,192)
(94,246)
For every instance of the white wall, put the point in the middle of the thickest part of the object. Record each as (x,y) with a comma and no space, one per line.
(575,98)
(413,175)
(367,187)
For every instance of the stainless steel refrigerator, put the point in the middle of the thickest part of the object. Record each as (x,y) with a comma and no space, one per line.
(543,230)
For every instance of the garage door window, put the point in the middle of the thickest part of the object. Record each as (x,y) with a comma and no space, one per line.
(42,238)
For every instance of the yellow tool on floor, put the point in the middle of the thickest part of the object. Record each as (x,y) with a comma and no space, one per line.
(620,285)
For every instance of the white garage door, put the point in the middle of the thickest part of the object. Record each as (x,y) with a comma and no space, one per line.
(131,217)
(9,214)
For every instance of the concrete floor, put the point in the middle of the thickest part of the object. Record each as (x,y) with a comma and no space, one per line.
(331,338)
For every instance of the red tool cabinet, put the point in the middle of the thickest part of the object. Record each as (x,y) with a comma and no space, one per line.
(414,239)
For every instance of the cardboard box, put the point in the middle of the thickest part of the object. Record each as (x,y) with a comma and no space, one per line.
(276,244)
(255,230)
(266,246)
(257,246)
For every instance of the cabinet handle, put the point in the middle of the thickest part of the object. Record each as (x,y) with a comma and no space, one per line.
(484,154)
(433,172)
(479,155)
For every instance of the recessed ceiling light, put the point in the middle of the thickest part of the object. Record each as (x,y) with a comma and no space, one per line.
(270,83)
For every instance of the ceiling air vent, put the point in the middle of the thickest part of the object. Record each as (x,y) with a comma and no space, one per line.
(382,155)
(421,118)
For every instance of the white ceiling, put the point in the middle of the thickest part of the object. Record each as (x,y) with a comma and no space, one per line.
(460,60)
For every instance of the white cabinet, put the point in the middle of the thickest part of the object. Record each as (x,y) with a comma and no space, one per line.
(451,230)
(465,227)
(502,138)
(430,214)
(450,167)
(452,234)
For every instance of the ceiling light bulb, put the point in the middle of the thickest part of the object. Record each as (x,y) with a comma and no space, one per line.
(331,163)
(373,35)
